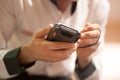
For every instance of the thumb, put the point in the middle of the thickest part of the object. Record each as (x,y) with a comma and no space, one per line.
(43,32)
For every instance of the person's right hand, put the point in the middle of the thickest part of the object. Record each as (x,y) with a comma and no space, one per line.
(41,49)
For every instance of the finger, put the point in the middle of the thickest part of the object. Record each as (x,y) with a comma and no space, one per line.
(59,55)
(64,53)
(55,45)
(90,27)
(94,47)
(91,34)
(88,24)
(90,48)
(85,42)
(43,32)
(62,45)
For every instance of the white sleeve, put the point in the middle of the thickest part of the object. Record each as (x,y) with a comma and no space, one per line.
(3,70)
(7,26)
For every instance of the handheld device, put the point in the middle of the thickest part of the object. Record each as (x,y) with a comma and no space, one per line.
(63,33)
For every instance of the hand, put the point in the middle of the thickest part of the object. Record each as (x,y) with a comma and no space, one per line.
(88,43)
(41,49)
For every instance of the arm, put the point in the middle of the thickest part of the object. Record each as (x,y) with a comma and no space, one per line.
(98,14)
(38,48)
(13,61)
(88,44)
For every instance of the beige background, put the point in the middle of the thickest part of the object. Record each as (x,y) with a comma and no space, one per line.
(111,57)
(113,27)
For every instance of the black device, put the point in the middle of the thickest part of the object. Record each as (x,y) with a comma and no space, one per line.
(63,33)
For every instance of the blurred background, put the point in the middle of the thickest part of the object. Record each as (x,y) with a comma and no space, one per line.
(111,57)
(113,26)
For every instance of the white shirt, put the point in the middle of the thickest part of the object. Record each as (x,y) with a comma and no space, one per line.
(19,19)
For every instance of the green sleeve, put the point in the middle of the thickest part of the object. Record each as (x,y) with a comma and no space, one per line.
(83,74)
(11,62)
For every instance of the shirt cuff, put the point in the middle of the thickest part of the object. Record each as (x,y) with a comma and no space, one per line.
(83,74)
(11,62)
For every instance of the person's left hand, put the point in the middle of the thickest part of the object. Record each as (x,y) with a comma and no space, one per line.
(88,43)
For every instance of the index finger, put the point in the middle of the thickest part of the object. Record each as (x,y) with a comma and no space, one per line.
(62,45)
(91,34)
(91,27)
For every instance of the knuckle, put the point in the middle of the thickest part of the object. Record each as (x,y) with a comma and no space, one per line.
(87,35)
(97,33)
(97,26)
(90,27)
(94,40)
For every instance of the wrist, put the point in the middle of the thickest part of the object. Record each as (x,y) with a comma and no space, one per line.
(24,56)
(83,62)
(85,73)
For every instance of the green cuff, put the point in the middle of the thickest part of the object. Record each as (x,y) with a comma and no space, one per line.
(83,74)
(11,62)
